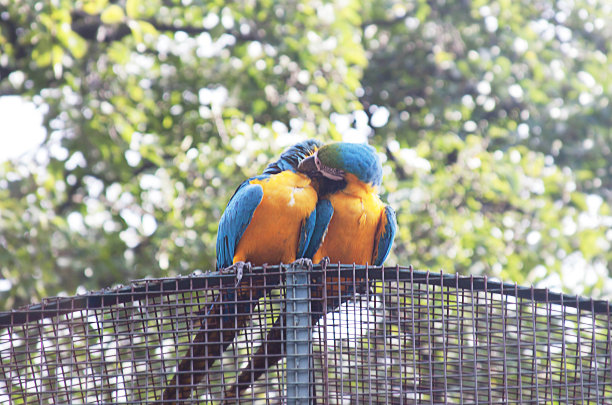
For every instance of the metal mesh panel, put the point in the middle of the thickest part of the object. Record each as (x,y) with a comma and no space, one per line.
(433,339)
(371,335)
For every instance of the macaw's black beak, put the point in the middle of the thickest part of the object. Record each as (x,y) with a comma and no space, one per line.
(308,166)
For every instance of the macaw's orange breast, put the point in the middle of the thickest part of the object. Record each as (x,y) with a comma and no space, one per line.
(352,232)
(273,234)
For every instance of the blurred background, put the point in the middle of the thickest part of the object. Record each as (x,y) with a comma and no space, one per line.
(125,127)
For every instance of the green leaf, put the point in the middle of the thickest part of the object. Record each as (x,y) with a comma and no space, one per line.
(94,6)
(136,31)
(112,14)
(131,8)
(147,28)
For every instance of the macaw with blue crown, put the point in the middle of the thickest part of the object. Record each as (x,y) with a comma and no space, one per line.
(269,219)
(352,225)
(361,228)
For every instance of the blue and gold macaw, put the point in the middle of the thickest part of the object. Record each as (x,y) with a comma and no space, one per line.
(353,225)
(362,227)
(269,219)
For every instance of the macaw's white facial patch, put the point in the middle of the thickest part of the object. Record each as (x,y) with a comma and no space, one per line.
(329,172)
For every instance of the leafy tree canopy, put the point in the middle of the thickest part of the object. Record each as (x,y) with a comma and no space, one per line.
(493,117)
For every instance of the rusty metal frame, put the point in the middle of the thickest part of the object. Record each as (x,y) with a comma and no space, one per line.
(353,334)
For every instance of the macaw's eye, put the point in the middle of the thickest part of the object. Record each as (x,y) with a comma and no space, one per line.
(317,161)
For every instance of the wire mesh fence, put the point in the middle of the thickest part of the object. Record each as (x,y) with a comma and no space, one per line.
(324,334)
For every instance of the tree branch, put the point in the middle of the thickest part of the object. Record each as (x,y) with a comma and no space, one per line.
(399,169)
(382,22)
(19,52)
(92,28)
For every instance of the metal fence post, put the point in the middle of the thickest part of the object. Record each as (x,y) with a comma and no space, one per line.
(299,336)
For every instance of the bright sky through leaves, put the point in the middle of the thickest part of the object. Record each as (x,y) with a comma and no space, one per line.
(22,129)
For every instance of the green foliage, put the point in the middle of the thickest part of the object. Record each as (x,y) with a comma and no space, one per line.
(497,140)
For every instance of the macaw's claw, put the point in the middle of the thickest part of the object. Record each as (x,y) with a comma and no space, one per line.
(238,269)
(325,261)
(303,262)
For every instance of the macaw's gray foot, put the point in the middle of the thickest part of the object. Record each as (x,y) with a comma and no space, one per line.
(303,262)
(237,269)
(325,261)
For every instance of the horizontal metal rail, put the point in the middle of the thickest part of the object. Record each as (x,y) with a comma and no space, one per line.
(140,289)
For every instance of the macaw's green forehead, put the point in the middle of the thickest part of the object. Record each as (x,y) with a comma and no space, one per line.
(355,158)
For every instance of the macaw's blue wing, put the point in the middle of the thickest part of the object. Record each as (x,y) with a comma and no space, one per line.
(308,225)
(386,234)
(235,220)
(324,212)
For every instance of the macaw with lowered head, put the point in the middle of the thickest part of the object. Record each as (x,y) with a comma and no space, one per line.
(362,228)
(352,225)
(269,219)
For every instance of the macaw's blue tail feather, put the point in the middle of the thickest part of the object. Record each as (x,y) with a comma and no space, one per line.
(219,325)
(215,336)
